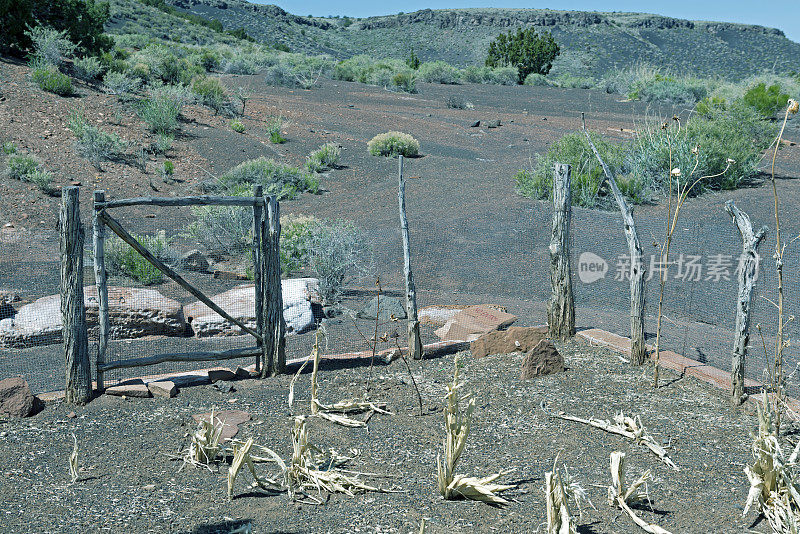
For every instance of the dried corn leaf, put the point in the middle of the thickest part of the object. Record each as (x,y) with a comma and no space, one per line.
(73,460)
(559,518)
(629,427)
(620,496)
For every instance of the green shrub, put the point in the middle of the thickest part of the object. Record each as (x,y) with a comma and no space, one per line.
(439,72)
(274,125)
(335,252)
(766,100)
(27,168)
(296,234)
(666,89)
(224,229)
(456,102)
(49,79)
(20,166)
(587,175)
(393,144)
(504,76)
(710,104)
(87,69)
(324,158)
(277,179)
(237,126)
(118,83)
(210,60)
(167,170)
(51,46)
(413,61)
(93,143)
(9,147)
(526,50)
(122,260)
(163,144)
(161,110)
(536,79)
(574,82)
(211,93)
(405,81)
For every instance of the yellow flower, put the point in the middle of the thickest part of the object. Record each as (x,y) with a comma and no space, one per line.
(794,106)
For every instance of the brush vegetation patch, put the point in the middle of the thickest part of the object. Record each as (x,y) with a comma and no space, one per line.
(393,144)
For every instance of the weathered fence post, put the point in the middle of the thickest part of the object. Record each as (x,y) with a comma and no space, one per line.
(748,270)
(274,324)
(638,270)
(101,284)
(258,272)
(414,337)
(561,308)
(73,313)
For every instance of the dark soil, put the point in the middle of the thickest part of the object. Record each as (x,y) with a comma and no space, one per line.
(128,482)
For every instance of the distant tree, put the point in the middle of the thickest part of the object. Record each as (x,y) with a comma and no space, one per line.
(412,61)
(526,50)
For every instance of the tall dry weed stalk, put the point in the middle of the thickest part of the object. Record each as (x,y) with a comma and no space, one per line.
(776,372)
(678,191)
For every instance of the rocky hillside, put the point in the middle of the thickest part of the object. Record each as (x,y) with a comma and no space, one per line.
(592,43)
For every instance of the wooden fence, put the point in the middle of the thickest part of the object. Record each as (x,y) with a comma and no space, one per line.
(270,330)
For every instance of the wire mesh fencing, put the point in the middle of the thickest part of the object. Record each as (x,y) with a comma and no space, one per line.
(335,267)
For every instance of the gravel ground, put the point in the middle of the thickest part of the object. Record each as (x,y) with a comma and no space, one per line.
(128,482)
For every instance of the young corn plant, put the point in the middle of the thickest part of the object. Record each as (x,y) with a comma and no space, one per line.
(457,425)
(204,446)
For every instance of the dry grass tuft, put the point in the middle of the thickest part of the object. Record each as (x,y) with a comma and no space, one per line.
(774,489)
(457,424)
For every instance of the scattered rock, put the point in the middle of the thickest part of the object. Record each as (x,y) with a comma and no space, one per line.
(230,420)
(163,388)
(243,372)
(131,389)
(134,312)
(437,315)
(542,360)
(515,339)
(240,301)
(221,374)
(472,322)
(494,124)
(16,398)
(389,306)
(71,415)
(8,296)
(475,124)
(194,260)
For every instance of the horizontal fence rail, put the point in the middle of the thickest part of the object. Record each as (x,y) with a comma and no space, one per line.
(208,356)
(203,200)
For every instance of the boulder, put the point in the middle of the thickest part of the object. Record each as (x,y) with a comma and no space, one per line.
(437,315)
(133,312)
(194,260)
(472,322)
(133,388)
(220,373)
(543,359)
(163,388)
(16,398)
(474,124)
(229,419)
(240,302)
(493,123)
(389,306)
(515,339)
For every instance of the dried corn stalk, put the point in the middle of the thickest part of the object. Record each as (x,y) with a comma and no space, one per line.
(773,486)
(629,427)
(457,424)
(332,412)
(559,518)
(73,460)
(309,469)
(204,446)
(620,496)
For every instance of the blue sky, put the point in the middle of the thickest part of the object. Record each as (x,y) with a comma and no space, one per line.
(783,15)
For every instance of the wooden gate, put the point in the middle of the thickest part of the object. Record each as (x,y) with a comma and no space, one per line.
(270,330)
